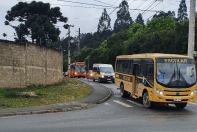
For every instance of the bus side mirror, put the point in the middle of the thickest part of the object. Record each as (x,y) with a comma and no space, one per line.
(98,71)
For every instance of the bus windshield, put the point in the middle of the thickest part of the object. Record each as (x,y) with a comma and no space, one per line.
(80,68)
(106,69)
(175,72)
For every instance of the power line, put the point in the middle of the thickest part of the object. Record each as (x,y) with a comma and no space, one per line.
(138,7)
(82,6)
(150,5)
(155,6)
(85,3)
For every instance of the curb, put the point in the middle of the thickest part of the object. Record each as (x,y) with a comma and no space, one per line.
(108,97)
(55,110)
(47,111)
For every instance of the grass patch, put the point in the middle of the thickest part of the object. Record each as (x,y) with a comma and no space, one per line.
(68,90)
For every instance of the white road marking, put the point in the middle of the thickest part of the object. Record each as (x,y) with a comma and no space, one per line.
(121,103)
(135,103)
(193,103)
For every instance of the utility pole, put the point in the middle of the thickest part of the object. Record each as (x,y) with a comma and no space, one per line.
(69,46)
(79,42)
(191,38)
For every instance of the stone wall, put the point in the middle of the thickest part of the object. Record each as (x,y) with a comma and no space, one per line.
(23,65)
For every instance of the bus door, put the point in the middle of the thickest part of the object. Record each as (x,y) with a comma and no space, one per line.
(136,70)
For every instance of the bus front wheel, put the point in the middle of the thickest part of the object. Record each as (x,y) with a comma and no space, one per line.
(124,93)
(146,102)
(180,105)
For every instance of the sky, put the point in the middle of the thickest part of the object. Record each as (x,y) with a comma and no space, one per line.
(85,14)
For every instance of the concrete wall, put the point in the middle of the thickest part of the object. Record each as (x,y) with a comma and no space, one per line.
(23,65)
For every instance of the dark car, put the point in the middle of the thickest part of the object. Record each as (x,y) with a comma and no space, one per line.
(89,74)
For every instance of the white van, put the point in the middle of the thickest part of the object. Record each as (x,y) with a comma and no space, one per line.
(103,72)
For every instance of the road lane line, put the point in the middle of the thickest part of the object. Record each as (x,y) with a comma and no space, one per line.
(135,103)
(121,103)
(193,103)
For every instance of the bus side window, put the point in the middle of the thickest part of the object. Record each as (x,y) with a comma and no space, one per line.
(141,73)
(118,66)
(121,66)
(130,67)
(150,73)
(126,66)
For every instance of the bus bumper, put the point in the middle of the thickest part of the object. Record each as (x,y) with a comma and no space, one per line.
(174,99)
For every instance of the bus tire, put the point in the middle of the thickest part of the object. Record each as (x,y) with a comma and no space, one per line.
(146,102)
(123,93)
(180,105)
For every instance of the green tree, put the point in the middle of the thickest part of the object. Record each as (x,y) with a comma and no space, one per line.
(104,22)
(65,63)
(159,24)
(80,57)
(37,20)
(134,30)
(123,20)
(133,46)
(182,12)
(139,19)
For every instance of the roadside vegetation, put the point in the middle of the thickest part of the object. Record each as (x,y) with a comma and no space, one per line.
(68,90)
(160,35)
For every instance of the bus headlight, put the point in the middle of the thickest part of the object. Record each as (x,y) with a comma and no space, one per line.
(159,91)
(75,73)
(113,76)
(102,76)
(193,92)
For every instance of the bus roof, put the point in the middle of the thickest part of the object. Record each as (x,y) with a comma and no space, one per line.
(152,55)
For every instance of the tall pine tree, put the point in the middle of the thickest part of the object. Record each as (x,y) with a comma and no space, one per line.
(182,12)
(139,19)
(104,22)
(123,20)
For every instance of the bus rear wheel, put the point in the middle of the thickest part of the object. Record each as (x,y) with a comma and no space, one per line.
(123,93)
(146,102)
(180,105)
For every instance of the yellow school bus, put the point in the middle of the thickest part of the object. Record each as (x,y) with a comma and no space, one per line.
(157,78)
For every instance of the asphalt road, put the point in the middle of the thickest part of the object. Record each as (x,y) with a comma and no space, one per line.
(114,115)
